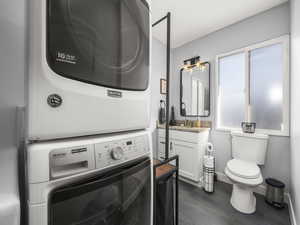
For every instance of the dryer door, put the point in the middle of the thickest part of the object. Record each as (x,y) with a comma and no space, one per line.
(102,42)
(121,196)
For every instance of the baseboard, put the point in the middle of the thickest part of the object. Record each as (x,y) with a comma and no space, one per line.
(291,210)
(197,184)
(223,178)
(261,189)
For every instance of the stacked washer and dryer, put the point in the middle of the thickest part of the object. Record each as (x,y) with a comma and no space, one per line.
(88,153)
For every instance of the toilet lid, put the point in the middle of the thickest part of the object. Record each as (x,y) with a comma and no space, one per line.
(243,169)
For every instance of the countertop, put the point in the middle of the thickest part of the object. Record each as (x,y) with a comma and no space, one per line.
(186,129)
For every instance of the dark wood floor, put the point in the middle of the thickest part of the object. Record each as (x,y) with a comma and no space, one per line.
(199,208)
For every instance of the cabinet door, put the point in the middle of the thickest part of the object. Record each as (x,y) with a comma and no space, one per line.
(189,159)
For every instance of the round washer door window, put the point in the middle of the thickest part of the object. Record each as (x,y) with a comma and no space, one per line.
(102,42)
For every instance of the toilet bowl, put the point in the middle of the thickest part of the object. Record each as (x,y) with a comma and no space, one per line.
(245,177)
(248,151)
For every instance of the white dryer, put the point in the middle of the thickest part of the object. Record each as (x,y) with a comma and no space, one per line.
(89,66)
(94,180)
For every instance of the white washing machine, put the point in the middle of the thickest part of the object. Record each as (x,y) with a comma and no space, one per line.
(91,180)
(89,62)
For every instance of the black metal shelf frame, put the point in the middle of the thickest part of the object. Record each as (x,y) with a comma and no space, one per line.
(172,172)
(175,158)
(168,18)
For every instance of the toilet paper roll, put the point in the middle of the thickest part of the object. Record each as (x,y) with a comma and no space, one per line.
(208,161)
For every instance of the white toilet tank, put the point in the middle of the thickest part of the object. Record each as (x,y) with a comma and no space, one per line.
(249,147)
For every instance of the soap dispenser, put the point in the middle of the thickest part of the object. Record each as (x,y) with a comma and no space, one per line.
(172,121)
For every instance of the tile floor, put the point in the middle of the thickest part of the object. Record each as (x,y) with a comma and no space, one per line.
(199,208)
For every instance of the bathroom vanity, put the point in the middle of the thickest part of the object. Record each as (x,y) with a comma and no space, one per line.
(189,139)
(189,143)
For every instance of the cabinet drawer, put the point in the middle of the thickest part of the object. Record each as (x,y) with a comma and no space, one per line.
(191,137)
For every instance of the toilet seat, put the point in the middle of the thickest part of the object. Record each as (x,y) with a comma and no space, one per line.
(243,169)
(243,172)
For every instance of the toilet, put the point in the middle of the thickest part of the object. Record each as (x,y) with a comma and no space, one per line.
(248,152)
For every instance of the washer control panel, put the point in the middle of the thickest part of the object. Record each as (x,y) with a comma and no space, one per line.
(72,160)
(85,155)
(119,151)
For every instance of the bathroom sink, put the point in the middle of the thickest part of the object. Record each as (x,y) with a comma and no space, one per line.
(184,128)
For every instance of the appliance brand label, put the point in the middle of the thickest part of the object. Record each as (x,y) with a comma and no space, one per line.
(114,94)
(66,58)
(54,100)
(59,155)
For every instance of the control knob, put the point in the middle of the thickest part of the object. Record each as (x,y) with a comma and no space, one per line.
(117,153)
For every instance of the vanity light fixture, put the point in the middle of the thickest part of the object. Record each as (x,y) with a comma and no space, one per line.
(189,64)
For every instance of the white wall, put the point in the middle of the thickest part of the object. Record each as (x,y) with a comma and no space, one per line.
(295,107)
(267,25)
(12,67)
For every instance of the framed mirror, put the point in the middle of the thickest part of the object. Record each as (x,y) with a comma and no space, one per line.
(195,91)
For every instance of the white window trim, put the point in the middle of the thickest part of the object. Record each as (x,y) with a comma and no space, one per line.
(285,40)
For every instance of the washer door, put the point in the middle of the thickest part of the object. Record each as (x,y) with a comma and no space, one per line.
(121,196)
(102,42)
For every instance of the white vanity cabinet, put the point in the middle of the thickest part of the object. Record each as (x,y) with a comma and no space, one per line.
(190,146)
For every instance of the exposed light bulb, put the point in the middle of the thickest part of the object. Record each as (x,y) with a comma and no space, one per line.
(203,68)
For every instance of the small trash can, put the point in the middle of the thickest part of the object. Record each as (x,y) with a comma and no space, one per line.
(275,193)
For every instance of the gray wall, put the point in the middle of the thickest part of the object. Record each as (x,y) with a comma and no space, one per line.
(267,25)
(158,71)
(12,65)
(295,107)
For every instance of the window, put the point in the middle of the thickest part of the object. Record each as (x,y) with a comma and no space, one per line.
(253,85)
